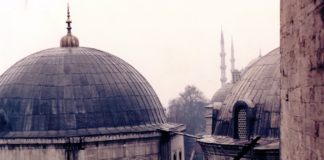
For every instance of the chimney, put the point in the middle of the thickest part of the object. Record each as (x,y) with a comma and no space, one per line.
(236,76)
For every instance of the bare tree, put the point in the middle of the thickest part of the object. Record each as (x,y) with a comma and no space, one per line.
(188,109)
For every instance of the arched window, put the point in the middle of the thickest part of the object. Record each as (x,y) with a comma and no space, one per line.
(180,155)
(243,120)
(242,124)
(174,156)
(3,120)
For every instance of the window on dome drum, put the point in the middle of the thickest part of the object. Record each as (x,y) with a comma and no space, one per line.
(180,155)
(242,117)
(3,120)
(242,123)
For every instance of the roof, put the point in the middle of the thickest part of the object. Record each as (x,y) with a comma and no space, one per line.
(260,88)
(73,88)
(227,146)
(172,127)
(225,140)
(221,94)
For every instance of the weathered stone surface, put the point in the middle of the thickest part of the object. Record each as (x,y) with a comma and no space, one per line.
(302,72)
(138,146)
(139,149)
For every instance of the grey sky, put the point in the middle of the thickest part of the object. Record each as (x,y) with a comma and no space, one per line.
(171,42)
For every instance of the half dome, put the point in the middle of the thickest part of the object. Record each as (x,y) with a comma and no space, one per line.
(259,87)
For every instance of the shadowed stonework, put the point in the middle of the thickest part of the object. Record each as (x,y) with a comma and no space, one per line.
(302,79)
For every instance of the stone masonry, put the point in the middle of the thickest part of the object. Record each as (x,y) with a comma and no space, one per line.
(302,79)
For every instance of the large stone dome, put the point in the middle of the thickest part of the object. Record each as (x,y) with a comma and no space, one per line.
(73,88)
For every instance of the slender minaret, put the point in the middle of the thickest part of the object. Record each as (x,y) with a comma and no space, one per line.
(232,56)
(223,78)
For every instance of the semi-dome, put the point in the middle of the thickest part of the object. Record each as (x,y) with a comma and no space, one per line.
(249,115)
(72,88)
(259,89)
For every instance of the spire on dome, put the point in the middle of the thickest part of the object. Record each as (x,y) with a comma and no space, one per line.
(68,21)
(69,40)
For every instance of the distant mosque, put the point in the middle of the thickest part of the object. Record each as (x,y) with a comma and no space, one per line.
(78,103)
(243,117)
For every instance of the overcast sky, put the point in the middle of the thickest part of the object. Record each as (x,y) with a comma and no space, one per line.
(173,43)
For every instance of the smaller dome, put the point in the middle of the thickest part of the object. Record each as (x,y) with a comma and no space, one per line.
(221,94)
(69,41)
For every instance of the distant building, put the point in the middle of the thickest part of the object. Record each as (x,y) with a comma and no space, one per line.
(246,108)
(78,103)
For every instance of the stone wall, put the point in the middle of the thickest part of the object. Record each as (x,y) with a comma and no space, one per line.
(177,148)
(32,153)
(302,73)
(133,146)
(126,150)
(209,119)
(144,150)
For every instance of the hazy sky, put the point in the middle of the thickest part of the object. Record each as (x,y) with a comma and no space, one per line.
(173,43)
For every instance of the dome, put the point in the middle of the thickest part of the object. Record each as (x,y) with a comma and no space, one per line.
(71,88)
(221,94)
(259,89)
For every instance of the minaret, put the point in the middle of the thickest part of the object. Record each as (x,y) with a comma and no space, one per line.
(232,56)
(223,78)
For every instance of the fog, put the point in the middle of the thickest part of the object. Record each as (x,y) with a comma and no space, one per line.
(173,43)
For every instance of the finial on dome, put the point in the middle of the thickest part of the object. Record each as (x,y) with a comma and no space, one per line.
(68,21)
(69,40)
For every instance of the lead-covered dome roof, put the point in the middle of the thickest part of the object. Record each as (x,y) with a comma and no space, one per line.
(260,88)
(75,88)
(221,94)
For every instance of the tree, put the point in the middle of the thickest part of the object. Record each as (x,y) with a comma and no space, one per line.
(189,109)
